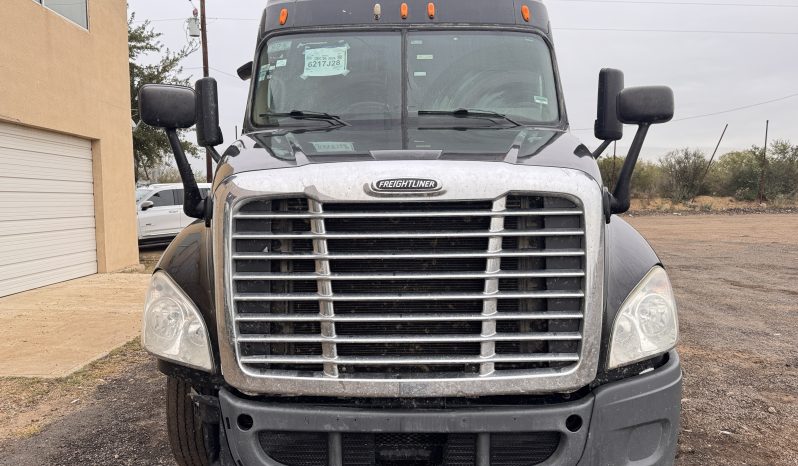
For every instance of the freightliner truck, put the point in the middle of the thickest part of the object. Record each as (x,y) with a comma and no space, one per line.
(407,258)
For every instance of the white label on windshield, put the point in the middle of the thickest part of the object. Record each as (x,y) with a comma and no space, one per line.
(333,146)
(262,72)
(280,63)
(419,73)
(423,57)
(541,100)
(279,46)
(325,61)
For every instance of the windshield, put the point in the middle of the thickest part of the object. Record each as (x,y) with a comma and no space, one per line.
(358,77)
(141,193)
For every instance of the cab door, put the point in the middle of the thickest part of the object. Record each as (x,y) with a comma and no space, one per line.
(163,218)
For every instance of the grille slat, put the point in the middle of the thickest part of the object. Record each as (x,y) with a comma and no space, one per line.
(414,234)
(297,338)
(454,317)
(408,289)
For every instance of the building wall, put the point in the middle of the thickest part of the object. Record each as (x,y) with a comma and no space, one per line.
(58,76)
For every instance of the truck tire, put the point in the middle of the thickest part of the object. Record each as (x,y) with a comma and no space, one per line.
(184,425)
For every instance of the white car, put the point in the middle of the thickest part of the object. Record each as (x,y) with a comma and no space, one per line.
(159,208)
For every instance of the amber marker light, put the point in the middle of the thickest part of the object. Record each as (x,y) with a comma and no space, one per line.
(283,16)
(403,10)
(431,10)
(525,13)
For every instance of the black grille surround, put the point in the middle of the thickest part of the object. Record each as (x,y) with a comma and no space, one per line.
(415,290)
(405,449)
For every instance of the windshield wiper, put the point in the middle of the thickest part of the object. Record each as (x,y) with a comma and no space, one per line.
(307,115)
(470,113)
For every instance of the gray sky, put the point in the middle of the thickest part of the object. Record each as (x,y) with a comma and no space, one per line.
(709,71)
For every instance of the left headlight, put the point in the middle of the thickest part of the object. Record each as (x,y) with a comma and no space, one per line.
(647,323)
(172,327)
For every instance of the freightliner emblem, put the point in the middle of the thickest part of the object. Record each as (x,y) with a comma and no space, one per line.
(406,185)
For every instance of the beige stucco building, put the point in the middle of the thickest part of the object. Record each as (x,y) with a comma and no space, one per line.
(67,204)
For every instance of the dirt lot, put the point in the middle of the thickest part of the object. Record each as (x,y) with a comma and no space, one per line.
(735,278)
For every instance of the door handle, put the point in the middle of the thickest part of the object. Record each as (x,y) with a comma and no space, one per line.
(173,211)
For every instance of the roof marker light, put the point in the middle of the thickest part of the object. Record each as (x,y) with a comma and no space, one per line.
(431,10)
(403,10)
(525,13)
(283,16)
(377,11)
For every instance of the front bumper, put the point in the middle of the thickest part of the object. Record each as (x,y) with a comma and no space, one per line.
(632,421)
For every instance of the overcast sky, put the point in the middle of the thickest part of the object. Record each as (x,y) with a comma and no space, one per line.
(754,60)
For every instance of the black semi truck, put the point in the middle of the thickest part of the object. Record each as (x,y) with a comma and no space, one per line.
(407,258)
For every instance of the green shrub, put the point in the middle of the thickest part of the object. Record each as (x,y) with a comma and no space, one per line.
(682,172)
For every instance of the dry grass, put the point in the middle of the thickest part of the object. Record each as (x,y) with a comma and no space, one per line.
(29,404)
(705,204)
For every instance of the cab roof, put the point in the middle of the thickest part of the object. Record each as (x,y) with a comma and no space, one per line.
(309,13)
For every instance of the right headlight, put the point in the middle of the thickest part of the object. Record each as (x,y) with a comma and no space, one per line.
(172,327)
(647,322)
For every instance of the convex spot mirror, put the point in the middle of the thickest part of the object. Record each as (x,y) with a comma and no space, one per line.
(167,106)
(645,105)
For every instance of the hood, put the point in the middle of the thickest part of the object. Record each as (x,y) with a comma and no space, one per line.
(272,149)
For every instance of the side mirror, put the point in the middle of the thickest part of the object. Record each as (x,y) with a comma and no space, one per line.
(208,132)
(171,108)
(245,71)
(607,126)
(146,205)
(166,106)
(645,104)
(642,106)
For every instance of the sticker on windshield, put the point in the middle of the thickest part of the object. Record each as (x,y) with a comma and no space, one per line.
(280,63)
(264,70)
(541,100)
(325,61)
(333,146)
(279,46)
(419,73)
(423,57)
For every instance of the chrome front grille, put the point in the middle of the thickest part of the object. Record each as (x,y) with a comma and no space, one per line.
(408,289)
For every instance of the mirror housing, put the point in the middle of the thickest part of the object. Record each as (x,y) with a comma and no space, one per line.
(208,132)
(607,126)
(167,106)
(245,71)
(174,107)
(146,205)
(645,104)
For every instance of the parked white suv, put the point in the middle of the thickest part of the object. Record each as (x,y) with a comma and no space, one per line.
(159,210)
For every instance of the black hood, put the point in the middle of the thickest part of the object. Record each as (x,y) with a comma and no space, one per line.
(280,148)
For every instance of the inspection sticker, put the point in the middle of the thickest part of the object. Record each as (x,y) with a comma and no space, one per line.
(325,61)
(541,100)
(333,146)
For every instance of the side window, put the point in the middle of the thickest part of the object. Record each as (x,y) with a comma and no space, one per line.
(163,198)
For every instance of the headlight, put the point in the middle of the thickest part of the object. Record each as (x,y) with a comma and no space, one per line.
(172,327)
(647,323)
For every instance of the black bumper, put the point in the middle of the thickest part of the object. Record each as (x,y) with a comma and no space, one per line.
(635,420)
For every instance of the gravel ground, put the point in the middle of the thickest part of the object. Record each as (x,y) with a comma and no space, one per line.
(735,280)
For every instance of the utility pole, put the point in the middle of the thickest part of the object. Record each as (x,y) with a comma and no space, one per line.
(204,40)
(760,196)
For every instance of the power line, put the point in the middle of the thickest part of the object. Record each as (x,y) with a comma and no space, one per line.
(721,112)
(161,20)
(737,108)
(655,2)
(678,31)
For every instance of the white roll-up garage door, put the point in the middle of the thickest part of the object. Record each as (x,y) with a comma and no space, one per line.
(47,232)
